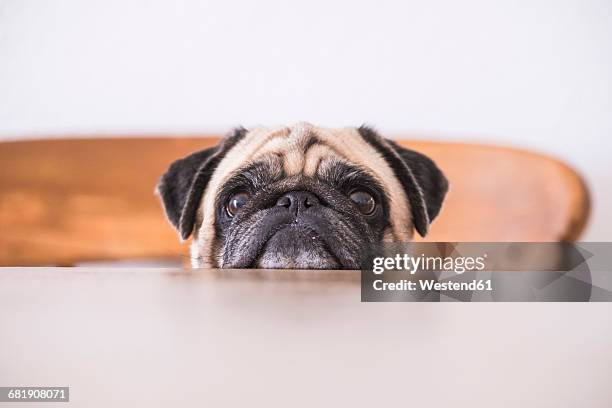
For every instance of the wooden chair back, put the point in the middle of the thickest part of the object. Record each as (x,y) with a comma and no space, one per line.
(73,200)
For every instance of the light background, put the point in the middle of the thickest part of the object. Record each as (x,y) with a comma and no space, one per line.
(536,74)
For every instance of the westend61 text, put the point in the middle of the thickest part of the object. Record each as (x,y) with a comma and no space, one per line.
(432,284)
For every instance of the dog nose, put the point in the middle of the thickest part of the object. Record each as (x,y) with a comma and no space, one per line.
(297,201)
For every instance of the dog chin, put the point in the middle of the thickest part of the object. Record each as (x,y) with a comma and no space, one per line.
(296,247)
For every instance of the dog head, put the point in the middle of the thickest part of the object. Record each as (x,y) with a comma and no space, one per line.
(299,197)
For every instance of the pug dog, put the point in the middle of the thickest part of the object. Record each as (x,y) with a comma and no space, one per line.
(299,197)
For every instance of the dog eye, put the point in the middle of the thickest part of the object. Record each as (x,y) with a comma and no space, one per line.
(236,203)
(364,202)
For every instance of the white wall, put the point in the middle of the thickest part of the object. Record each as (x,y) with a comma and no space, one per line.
(534,73)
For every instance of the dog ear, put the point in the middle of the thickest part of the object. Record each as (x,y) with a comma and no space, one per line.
(182,186)
(424,183)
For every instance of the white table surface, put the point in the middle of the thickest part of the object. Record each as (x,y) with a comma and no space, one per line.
(170,338)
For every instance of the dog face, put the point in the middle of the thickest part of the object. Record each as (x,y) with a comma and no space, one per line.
(299,197)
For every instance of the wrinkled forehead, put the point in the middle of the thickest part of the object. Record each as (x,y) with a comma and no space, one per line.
(301,149)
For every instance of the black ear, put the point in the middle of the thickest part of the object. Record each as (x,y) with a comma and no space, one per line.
(424,183)
(182,186)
